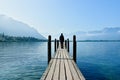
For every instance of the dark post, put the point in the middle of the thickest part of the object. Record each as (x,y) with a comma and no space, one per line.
(55,45)
(74,48)
(49,48)
(65,43)
(68,45)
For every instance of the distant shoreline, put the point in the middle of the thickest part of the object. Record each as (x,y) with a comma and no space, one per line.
(94,40)
(26,41)
(6,38)
(98,40)
(70,41)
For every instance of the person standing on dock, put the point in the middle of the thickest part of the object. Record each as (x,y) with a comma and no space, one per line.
(61,40)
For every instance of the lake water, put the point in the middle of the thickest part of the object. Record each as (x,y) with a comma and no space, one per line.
(28,60)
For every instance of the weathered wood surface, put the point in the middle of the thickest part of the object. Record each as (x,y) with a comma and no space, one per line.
(62,67)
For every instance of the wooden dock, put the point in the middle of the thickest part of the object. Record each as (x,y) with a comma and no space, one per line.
(62,67)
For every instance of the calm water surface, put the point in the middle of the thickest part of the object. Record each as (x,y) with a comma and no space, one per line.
(28,60)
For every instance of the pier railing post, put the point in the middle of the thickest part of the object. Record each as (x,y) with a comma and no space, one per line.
(74,48)
(55,45)
(68,45)
(49,48)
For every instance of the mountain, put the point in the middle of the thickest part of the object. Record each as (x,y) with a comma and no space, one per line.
(109,33)
(11,27)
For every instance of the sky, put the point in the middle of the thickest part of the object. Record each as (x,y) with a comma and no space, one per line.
(66,16)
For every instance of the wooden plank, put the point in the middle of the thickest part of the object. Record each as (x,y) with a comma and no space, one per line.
(73,71)
(56,54)
(62,69)
(67,69)
(66,54)
(76,68)
(46,71)
(51,71)
(78,71)
(57,70)
(49,67)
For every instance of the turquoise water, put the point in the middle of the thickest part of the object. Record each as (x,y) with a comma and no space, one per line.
(99,60)
(28,60)
(22,61)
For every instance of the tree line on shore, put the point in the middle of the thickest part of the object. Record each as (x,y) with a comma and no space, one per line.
(7,38)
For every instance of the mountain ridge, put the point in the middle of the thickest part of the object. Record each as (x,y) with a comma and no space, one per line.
(13,27)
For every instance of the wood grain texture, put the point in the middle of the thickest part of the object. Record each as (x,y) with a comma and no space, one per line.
(62,67)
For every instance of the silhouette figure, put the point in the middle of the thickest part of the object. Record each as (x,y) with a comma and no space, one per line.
(61,40)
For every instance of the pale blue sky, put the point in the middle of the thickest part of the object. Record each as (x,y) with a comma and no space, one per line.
(56,16)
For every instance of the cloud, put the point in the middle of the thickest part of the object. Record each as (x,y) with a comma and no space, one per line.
(109,33)
(111,30)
